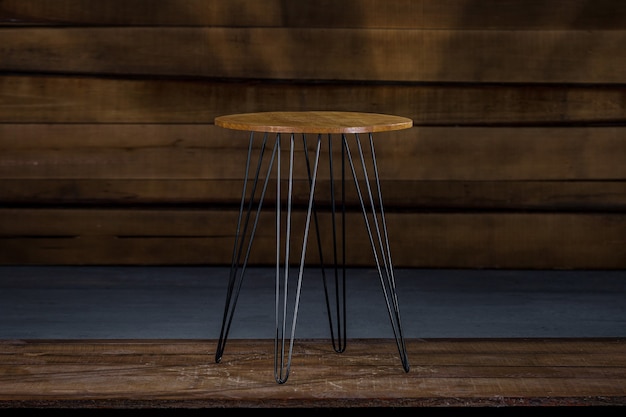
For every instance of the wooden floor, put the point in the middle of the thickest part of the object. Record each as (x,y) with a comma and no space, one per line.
(151,374)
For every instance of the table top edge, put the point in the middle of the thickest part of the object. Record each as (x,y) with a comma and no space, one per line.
(313,122)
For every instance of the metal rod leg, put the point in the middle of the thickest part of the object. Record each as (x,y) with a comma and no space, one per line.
(282,357)
(339,339)
(336,320)
(380,246)
(238,268)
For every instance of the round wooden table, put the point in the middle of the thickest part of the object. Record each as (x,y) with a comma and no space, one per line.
(333,126)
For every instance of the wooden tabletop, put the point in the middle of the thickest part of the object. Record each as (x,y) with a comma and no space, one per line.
(313,122)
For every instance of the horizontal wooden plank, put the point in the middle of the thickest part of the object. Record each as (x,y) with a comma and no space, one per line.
(191,152)
(522,362)
(551,56)
(450,351)
(410,14)
(179,373)
(39,99)
(592,196)
(418,239)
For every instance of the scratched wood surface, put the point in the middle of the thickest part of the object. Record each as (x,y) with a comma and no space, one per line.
(182,373)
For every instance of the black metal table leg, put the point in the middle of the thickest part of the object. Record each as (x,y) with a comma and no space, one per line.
(286,309)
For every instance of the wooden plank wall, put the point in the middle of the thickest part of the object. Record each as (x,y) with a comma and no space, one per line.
(109,155)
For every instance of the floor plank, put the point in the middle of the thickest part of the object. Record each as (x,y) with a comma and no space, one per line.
(179,373)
